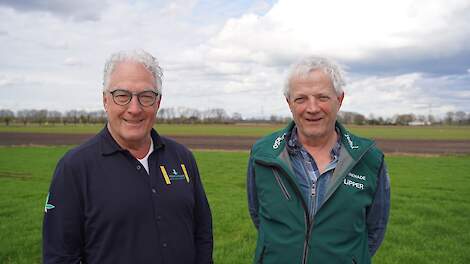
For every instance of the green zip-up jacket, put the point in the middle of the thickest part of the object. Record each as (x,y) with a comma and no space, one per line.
(338,232)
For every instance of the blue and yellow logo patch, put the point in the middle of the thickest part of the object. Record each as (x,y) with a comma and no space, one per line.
(174,175)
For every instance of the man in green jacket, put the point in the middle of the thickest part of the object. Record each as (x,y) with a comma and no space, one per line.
(317,193)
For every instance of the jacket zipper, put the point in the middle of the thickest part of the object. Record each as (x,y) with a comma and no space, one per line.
(307,240)
(313,197)
(260,260)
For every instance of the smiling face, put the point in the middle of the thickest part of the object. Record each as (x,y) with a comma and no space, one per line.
(130,124)
(314,105)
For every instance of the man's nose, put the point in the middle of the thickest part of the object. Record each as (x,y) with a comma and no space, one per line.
(312,104)
(134,105)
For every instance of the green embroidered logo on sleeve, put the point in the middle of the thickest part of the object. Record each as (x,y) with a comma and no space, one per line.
(48,206)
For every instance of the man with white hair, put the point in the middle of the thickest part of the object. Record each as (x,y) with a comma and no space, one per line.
(316,192)
(128,195)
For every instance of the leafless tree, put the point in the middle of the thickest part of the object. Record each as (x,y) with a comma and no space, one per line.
(6,116)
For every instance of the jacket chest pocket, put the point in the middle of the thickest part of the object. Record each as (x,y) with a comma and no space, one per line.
(281,185)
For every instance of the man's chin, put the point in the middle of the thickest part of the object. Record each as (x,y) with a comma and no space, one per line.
(313,132)
(135,136)
(133,125)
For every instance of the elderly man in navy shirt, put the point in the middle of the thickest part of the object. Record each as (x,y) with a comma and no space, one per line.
(128,195)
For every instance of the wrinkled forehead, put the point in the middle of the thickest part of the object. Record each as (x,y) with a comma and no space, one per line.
(317,77)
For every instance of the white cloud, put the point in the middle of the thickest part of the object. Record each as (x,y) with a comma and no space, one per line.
(8,81)
(79,10)
(217,54)
(72,61)
(347,30)
(410,93)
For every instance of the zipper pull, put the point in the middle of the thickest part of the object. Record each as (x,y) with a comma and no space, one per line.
(313,190)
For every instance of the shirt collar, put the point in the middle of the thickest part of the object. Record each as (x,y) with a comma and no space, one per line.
(293,140)
(110,146)
(294,145)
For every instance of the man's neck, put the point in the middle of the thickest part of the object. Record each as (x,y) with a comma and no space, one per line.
(320,148)
(317,144)
(138,149)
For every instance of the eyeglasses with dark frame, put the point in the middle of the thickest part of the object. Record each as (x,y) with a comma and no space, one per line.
(124,97)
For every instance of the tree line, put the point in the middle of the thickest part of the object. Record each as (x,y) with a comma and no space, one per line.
(450,118)
(187,115)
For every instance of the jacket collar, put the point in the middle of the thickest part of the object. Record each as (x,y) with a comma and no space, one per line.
(293,144)
(353,145)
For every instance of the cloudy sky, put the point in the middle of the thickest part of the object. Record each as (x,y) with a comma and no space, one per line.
(401,56)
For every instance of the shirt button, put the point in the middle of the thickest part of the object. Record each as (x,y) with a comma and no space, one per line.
(154,191)
(138,167)
(164,245)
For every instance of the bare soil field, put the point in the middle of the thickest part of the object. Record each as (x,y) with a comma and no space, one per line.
(242,143)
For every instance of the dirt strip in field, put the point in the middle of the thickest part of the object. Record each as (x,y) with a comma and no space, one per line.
(241,143)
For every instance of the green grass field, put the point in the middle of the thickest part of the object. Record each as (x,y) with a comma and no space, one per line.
(428,224)
(384,132)
(429,216)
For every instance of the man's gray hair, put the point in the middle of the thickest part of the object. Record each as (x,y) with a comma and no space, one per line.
(306,65)
(139,56)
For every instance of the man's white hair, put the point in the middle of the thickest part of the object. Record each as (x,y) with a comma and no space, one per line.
(306,65)
(139,56)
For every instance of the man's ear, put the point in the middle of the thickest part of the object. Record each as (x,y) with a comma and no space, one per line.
(105,102)
(159,101)
(157,104)
(289,104)
(340,99)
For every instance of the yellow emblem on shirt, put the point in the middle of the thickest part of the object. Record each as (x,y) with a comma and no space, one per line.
(174,175)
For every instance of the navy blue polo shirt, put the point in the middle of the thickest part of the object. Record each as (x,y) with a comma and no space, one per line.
(103,207)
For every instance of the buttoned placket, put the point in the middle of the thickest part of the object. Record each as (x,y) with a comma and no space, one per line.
(315,175)
(312,178)
(153,186)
